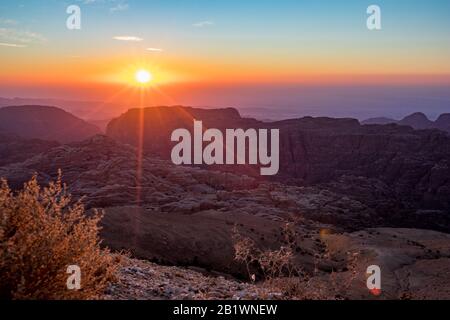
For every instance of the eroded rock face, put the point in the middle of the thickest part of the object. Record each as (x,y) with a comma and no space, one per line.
(14,149)
(412,167)
(106,171)
(184,216)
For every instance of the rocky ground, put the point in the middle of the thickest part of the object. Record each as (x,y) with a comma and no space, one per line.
(415,264)
(143,280)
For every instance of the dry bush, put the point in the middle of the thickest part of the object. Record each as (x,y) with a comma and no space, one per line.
(282,275)
(41,234)
(318,286)
(271,263)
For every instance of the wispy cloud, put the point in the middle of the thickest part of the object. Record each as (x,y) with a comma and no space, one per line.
(128,38)
(202,24)
(9,34)
(155,49)
(13,45)
(119,7)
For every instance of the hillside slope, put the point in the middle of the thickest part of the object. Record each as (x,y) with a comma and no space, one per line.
(46,123)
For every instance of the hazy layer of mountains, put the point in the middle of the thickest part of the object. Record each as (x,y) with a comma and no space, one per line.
(386,167)
(373,189)
(88,110)
(416,120)
(384,164)
(46,123)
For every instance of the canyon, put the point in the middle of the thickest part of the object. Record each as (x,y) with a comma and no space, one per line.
(380,190)
(235,146)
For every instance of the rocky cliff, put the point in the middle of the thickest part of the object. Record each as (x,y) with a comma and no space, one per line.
(16,149)
(184,215)
(408,165)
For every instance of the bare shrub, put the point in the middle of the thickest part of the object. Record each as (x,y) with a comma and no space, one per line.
(282,275)
(41,234)
(271,263)
(245,251)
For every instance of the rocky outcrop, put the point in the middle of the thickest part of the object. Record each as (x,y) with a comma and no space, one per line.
(45,123)
(159,122)
(15,149)
(168,213)
(184,215)
(412,167)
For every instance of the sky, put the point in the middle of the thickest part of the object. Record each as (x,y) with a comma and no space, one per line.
(247,53)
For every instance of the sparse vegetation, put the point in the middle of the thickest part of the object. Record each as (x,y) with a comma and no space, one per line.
(270,263)
(280,273)
(41,233)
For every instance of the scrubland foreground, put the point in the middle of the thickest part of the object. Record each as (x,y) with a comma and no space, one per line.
(42,231)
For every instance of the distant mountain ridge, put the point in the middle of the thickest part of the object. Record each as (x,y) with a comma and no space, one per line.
(416,120)
(45,123)
(87,110)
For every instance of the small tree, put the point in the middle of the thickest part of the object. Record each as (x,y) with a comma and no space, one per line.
(41,234)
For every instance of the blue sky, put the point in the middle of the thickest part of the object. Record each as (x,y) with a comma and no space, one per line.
(282,21)
(238,42)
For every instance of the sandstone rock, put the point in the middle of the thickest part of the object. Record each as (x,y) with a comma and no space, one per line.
(408,165)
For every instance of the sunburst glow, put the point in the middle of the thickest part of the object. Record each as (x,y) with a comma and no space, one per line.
(143,76)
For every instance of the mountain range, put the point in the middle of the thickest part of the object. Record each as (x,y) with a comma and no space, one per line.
(88,110)
(46,123)
(380,190)
(397,161)
(416,120)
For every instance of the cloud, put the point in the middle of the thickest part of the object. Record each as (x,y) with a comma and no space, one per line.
(8,34)
(13,45)
(202,24)
(154,49)
(119,7)
(128,38)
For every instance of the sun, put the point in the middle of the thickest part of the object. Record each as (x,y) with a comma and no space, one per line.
(142,76)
